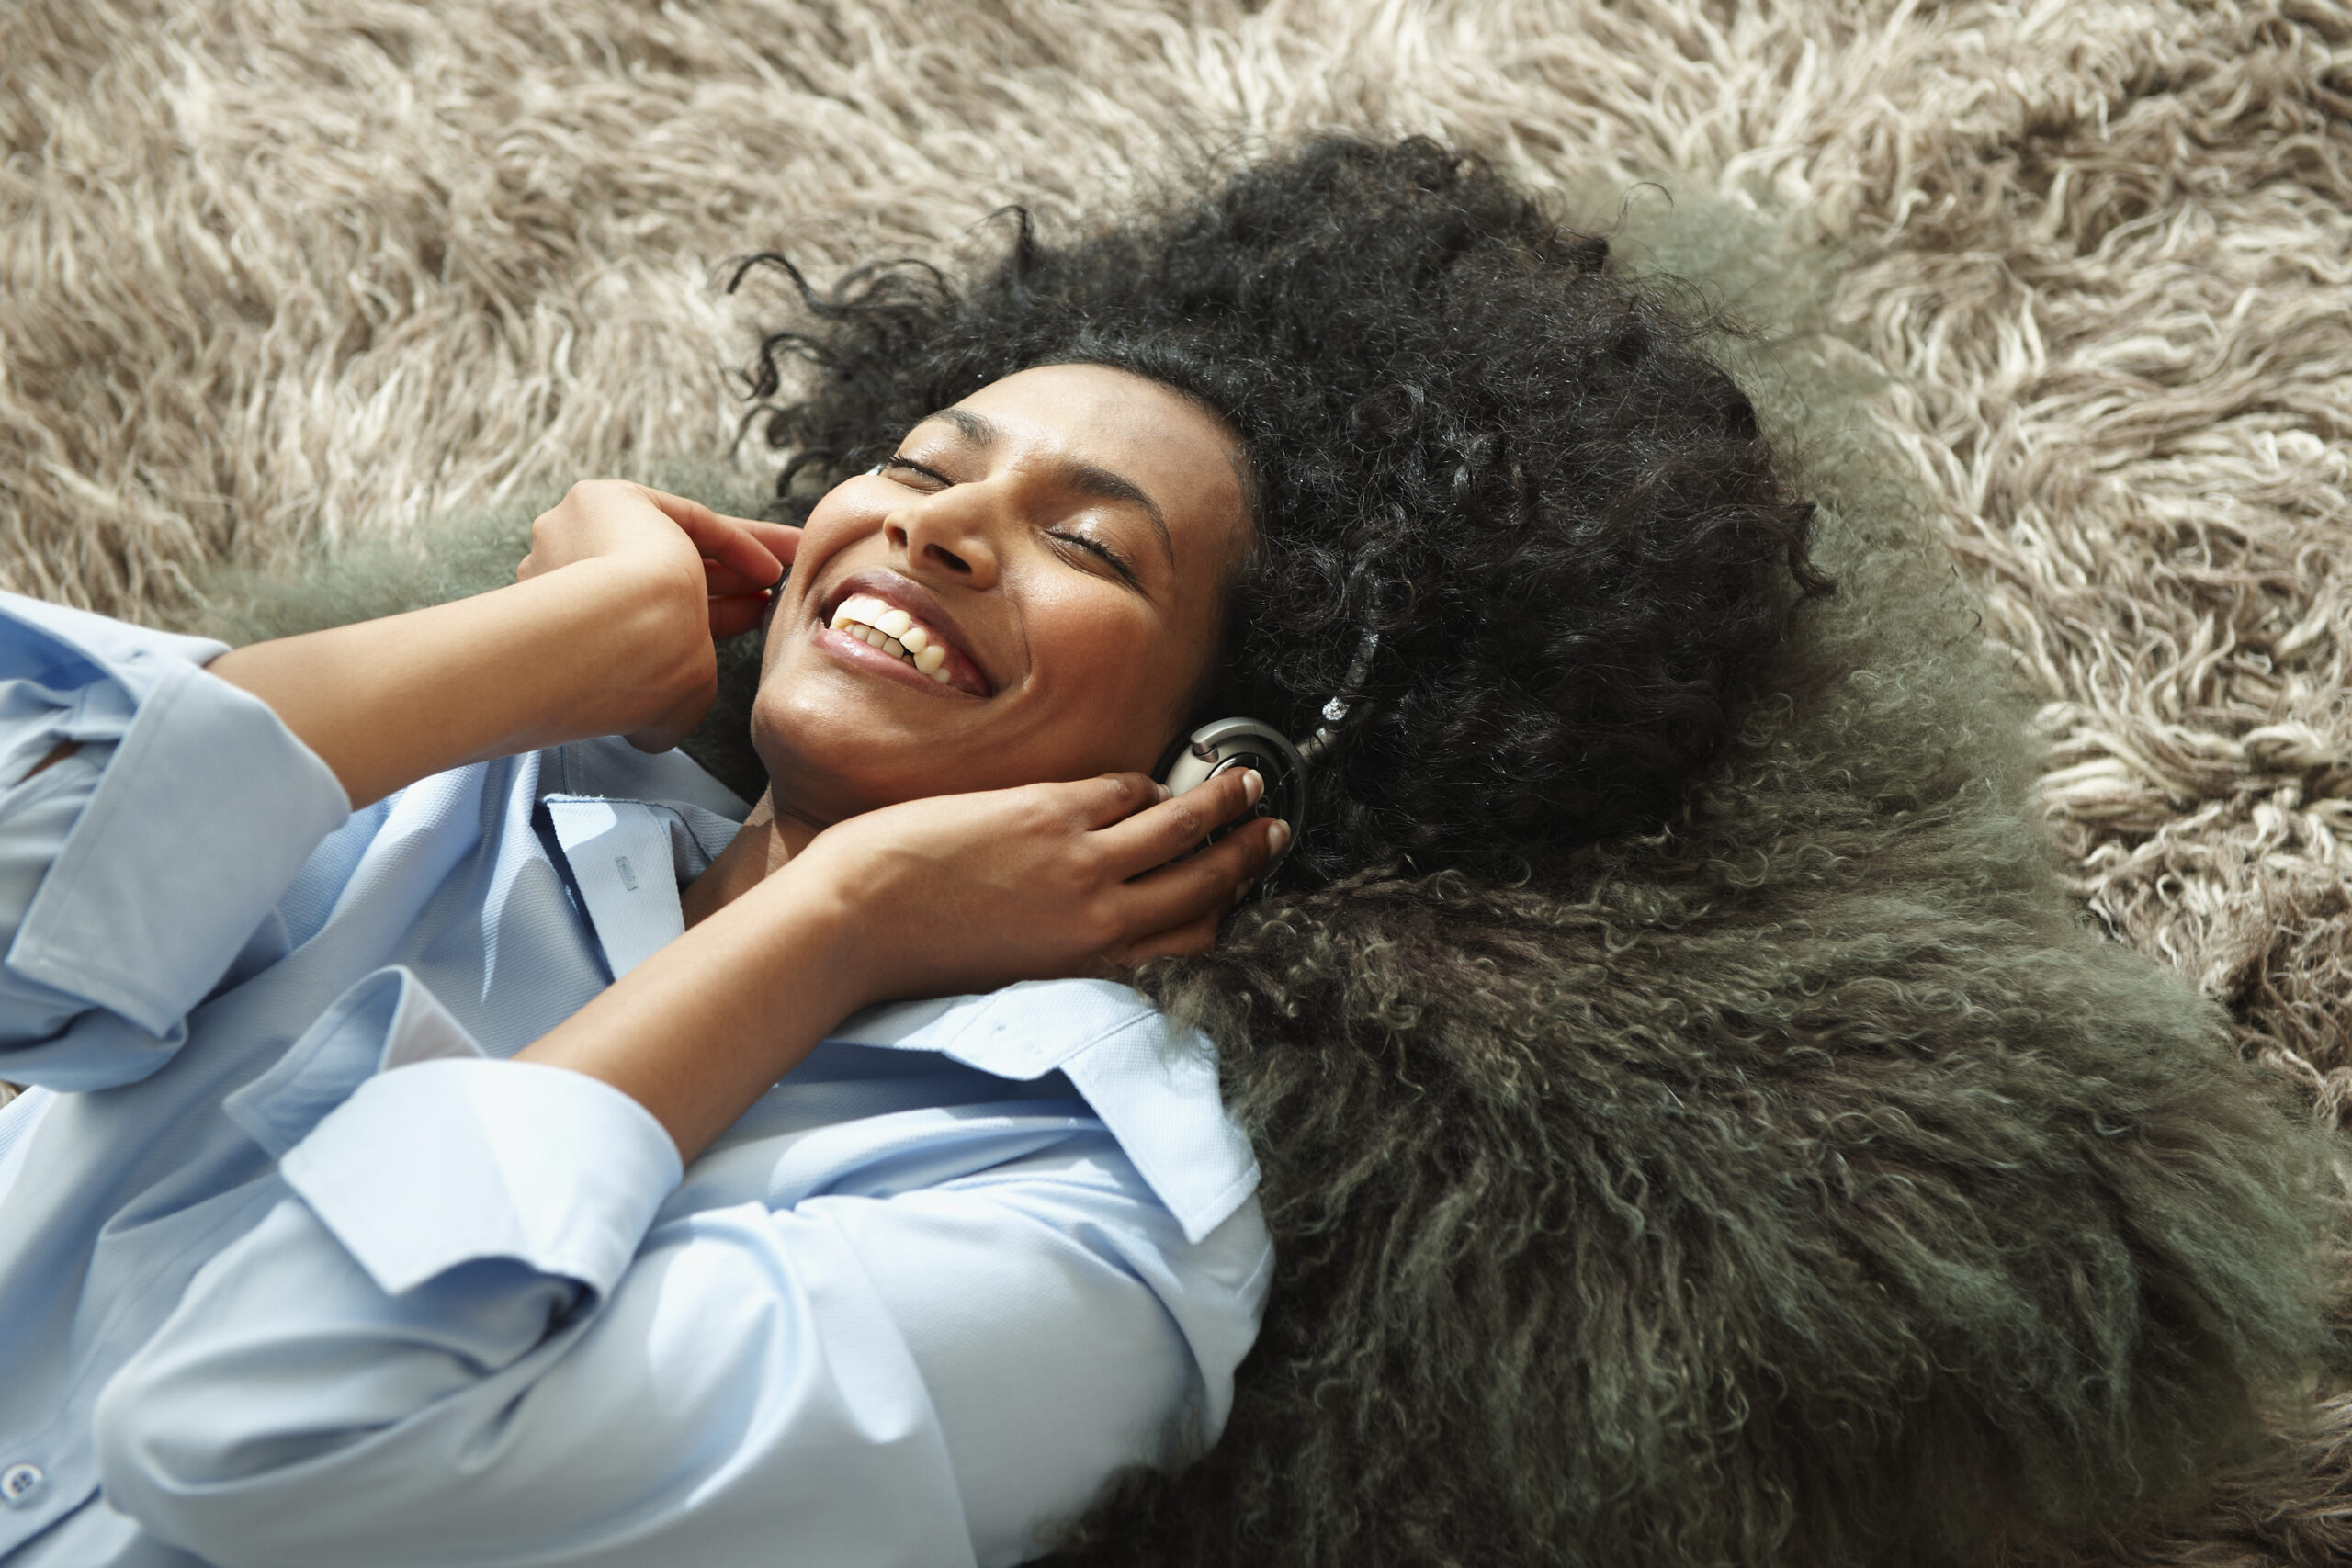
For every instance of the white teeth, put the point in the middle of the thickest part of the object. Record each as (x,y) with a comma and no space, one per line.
(879,625)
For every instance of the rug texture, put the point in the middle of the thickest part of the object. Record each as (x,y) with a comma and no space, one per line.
(2068,280)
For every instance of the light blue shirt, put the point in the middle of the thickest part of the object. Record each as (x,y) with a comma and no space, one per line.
(296,1268)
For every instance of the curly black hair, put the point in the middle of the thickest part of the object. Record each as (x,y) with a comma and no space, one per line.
(1523,470)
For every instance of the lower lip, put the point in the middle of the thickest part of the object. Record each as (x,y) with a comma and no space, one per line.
(859,654)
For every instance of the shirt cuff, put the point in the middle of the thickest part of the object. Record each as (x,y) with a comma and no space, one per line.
(210,804)
(452,1160)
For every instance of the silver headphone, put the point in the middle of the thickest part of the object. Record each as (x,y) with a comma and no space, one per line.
(1228,743)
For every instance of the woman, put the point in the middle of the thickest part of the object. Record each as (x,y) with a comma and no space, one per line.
(417,1179)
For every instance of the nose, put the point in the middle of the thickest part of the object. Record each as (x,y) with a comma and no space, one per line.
(952,530)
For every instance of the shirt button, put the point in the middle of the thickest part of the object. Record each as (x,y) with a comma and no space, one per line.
(20,1483)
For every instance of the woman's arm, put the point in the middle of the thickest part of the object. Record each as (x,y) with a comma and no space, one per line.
(140,779)
(941,897)
(609,632)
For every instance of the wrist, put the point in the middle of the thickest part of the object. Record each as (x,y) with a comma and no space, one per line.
(627,638)
(706,1025)
(825,919)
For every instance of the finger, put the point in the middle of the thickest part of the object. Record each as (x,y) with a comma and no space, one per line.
(1208,883)
(723,581)
(738,613)
(783,539)
(783,542)
(1154,838)
(1099,802)
(1194,936)
(725,540)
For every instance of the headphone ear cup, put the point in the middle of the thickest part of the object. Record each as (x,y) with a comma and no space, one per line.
(1230,743)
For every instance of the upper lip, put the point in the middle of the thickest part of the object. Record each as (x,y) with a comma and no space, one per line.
(905,593)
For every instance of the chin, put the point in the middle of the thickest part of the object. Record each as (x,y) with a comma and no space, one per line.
(828,760)
(826,767)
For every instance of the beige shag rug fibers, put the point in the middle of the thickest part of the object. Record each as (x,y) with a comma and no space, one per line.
(280,276)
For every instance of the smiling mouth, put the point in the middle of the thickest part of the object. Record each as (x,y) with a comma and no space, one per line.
(895,632)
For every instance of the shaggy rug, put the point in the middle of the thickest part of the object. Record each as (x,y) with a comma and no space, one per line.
(283,279)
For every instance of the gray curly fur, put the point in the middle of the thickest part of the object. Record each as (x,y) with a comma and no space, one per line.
(1806,1184)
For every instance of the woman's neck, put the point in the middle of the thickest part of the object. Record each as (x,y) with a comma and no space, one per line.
(768,838)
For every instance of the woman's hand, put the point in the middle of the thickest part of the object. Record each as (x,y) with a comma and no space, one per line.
(728,563)
(609,631)
(705,578)
(969,892)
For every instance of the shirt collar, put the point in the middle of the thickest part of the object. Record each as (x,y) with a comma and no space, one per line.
(629,859)
(1154,1085)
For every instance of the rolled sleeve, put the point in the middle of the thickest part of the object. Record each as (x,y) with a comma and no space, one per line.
(205,812)
(419,1153)
(449,1162)
(144,863)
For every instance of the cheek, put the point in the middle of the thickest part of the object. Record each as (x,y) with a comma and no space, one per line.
(1119,686)
(836,523)
(1095,650)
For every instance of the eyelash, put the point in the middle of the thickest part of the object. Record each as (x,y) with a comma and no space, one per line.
(1095,546)
(1110,557)
(917,468)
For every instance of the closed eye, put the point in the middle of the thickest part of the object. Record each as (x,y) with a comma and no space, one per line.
(910,465)
(1104,552)
(1110,557)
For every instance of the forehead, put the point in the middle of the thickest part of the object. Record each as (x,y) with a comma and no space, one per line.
(1178,452)
(1101,402)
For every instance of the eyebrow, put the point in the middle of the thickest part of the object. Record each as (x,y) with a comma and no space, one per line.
(1086,478)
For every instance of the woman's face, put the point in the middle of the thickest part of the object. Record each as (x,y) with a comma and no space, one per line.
(1051,554)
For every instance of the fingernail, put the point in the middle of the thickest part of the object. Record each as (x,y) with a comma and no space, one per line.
(1277,836)
(1164,791)
(1252,787)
